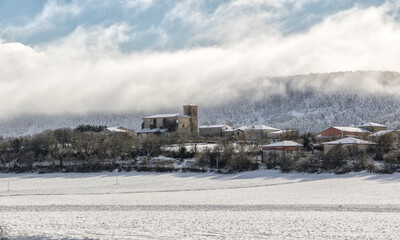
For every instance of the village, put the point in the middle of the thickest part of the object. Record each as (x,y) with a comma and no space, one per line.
(199,119)
(176,142)
(273,144)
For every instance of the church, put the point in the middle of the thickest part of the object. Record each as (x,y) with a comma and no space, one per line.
(175,122)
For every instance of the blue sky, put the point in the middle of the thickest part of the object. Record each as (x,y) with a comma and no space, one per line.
(154,23)
(130,55)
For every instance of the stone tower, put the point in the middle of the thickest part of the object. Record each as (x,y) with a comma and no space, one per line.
(191,110)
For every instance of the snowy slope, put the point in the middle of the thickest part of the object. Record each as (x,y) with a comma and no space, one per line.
(250,205)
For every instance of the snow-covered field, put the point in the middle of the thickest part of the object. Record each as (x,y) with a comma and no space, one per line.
(250,205)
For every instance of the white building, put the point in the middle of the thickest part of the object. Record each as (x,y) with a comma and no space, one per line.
(214,130)
(361,145)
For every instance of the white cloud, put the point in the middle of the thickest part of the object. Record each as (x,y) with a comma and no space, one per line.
(86,71)
(52,14)
(233,21)
(138,5)
(89,42)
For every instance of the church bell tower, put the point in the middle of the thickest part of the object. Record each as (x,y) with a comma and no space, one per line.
(191,110)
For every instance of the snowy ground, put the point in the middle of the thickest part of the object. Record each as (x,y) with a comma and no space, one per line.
(259,204)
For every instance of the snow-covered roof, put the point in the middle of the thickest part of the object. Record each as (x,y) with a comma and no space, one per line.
(148,130)
(257,127)
(349,140)
(283,144)
(276,133)
(371,124)
(190,105)
(279,132)
(168,115)
(116,129)
(351,129)
(214,126)
(237,129)
(383,132)
(228,130)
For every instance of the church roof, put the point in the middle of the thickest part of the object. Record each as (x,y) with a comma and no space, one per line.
(168,115)
(214,126)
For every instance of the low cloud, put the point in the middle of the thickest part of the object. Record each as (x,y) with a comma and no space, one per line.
(87,71)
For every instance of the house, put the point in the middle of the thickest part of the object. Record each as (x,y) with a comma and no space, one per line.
(145,132)
(373,127)
(280,148)
(360,145)
(255,132)
(228,133)
(279,134)
(214,130)
(175,122)
(392,135)
(276,134)
(238,134)
(336,131)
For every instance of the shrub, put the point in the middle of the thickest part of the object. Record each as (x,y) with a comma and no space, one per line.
(335,158)
(345,168)
(388,168)
(90,128)
(286,163)
(272,160)
(310,163)
(240,162)
(392,157)
(203,159)
(183,153)
(360,163)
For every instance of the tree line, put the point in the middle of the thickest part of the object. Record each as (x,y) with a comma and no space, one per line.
(92,148)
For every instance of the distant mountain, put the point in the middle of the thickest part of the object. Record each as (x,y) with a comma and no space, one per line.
(310,103)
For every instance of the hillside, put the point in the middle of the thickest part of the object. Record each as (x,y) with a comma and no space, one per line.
(308,112)
(309,103)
